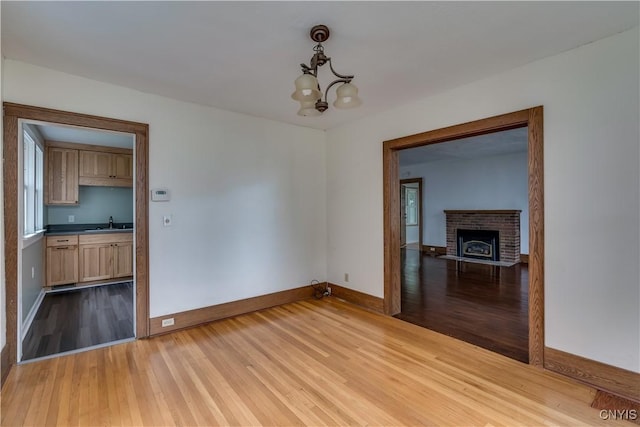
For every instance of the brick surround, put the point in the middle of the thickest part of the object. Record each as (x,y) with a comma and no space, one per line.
(506,222)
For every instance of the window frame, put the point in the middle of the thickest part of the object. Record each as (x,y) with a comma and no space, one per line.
(30,236)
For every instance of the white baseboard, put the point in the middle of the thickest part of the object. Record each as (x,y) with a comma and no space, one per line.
(32,314)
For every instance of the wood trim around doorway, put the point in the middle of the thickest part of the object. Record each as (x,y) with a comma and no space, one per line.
(12,114)
(531,118)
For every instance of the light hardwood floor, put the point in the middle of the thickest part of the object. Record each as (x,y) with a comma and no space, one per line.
(316,362)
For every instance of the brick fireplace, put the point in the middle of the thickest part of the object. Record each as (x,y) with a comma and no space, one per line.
(505,222)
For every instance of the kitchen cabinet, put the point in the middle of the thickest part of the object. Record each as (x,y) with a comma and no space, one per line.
(62,176)
(61,260)
(110,169)
(95,262)
(123,259)
(68,166)
(105,256)
(123,167)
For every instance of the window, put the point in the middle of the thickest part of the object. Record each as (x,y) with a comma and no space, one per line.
(33,181)
(412,205)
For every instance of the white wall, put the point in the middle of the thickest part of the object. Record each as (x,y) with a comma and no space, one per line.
(32,257)
(247,194)
(495,182)
(413,233)
(3,313)
(591,172)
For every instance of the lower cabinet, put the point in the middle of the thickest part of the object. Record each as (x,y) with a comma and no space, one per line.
(88,257)
(122,259)
(95,262)
(105,256)
(61,260)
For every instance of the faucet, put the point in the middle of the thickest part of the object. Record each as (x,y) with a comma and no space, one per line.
(110,222)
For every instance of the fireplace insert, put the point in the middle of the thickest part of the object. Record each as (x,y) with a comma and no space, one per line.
(478,244)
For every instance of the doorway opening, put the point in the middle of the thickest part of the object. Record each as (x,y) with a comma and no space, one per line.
(469,283)
(532,120)
(75,267)
(14,116)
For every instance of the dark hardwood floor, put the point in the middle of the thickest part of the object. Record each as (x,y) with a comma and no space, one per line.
(481,304)
(79,318)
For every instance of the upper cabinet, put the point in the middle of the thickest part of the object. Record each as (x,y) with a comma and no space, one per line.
(106,169)
(70,165)
(62,176)
(123,167)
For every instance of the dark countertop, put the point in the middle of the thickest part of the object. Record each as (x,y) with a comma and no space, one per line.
(60,229)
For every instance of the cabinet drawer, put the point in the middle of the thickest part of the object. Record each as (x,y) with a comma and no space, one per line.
(66,240)
(90,239)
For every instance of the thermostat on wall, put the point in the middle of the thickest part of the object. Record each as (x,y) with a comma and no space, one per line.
(160,195)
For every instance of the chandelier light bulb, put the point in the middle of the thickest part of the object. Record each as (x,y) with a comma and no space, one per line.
(308,109)
(347,96)
(306,89)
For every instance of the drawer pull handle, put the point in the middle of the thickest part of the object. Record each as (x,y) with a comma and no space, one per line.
(62,247)
(65,240)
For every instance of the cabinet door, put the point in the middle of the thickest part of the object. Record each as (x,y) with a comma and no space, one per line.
(122,259)
(62,265)
(122,166)
(95,164)
(95,262)
(62,176)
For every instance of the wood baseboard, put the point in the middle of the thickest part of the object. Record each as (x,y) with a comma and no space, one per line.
(187,319)
(5,364)
(524,258)
(611,379)
(358,298)
(434,250)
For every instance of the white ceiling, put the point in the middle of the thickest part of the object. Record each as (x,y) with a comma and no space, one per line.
(244,56)
(85,136)
(494,144)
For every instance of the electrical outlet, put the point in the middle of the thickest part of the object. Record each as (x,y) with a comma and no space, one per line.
(33,272)
(168,322)
(328,292)
(346,277)
(71,218)
(432,249)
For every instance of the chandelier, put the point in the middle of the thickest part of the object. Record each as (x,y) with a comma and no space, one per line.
(308,89)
